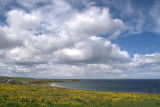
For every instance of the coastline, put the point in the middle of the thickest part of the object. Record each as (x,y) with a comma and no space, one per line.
(54,85)
(126,86)
(57,86)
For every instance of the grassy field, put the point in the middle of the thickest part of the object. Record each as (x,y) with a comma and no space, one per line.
(13,95)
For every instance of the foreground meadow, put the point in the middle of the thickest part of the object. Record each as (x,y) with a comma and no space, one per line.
(42,96)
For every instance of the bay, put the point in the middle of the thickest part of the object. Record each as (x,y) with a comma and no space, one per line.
(115,85)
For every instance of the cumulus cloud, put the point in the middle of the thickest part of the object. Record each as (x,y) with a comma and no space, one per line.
(52,39)
(21,25)
(146,63)
(21,20)
(138,18)
(6,40)
(94,21)
(54,15)
(93,50)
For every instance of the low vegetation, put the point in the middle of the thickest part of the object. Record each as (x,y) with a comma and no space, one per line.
(24,95)
(35,96)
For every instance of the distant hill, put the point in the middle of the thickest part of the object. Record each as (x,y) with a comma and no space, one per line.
(23,80)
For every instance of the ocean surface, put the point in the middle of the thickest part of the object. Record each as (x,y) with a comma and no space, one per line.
(115,85)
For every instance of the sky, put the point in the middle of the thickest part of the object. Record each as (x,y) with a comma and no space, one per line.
(80,39)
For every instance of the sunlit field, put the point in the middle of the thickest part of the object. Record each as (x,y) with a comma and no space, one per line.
(42,96)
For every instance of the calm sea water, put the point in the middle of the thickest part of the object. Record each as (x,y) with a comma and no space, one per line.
(116,85)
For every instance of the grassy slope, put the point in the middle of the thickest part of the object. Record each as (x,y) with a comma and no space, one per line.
(26,95)
(18,79)
(38,95)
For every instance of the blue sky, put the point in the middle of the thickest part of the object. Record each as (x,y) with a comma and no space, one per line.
(143,43)
(89,39)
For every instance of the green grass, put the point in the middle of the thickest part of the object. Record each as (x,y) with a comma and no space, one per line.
(12,95)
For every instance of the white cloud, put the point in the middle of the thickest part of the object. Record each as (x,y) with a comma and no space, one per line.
(10,38)
(54,16)
(93,21)
(21,20)
(21,26)
(93,50)
(155,17)
(146,63)
(55,40)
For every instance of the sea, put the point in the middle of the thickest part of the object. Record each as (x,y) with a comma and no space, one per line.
(115,85)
